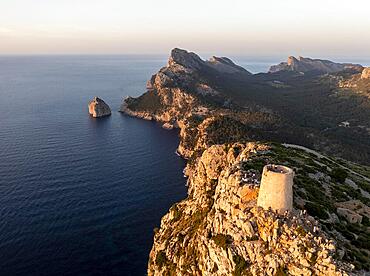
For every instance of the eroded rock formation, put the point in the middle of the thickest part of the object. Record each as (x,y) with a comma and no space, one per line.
(98,108)
(218,230)
(365,73)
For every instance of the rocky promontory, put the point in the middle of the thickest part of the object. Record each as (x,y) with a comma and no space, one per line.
(304,65)
(219,229)
(98,108)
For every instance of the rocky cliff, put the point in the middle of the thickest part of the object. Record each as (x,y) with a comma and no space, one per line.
(218,230)
(359,83)
(304,65)
(98,108)
(183,95)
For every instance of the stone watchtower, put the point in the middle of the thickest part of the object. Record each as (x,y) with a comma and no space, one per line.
(276,190)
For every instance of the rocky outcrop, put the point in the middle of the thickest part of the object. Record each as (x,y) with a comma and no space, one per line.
(183,94)
(219,230)
(225,65)
(304,65)
(365,73)
(358,83)
(98,108)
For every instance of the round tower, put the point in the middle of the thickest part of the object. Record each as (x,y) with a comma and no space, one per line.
(276,190)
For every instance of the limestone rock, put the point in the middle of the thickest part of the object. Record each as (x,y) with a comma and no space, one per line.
(214,231)
(365,73)
(304,65)
(349,215)
(225,65)
(98,108)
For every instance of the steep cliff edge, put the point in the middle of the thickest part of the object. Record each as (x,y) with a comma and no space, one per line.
(218,230)
(184,95)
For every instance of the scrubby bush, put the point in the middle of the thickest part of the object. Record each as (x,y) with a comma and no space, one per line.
(339,174)
(222,240)
(240,265)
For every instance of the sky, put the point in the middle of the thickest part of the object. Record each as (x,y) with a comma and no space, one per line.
(316,28)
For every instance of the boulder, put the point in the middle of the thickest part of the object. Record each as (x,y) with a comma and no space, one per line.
(98,108)
(349,215)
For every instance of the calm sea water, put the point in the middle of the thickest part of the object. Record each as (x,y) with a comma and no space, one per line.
(80,196)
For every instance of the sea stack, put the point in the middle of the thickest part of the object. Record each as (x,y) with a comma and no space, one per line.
(276,190)
(98,108)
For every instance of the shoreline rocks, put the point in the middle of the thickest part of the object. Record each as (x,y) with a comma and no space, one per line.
(98,108)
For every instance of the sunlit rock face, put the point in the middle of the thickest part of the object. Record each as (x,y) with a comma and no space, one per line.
(365,73)
(219,229)
(98,108)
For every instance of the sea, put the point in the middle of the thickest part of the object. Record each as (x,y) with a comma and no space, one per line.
(79,195)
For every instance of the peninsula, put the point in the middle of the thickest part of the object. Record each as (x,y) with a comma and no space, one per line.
(317,223)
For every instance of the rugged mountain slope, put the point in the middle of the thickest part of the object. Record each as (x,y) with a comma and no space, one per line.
(285,106)
(360,83)
(218,230)
(304,65)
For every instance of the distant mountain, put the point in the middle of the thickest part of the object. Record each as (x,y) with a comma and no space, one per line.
(192,61)
(304,65)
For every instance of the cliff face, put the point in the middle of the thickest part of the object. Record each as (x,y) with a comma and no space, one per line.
(98,108)
(183,94)
(218,230)
(359,83)
(304,65)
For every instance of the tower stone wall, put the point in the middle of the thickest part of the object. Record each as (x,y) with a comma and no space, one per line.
(276,189)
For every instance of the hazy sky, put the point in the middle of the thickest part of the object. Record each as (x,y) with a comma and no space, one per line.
(319,28)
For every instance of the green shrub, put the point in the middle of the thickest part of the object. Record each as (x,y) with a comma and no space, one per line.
(176,212)
(339,174)
(161,259)
(316,210)
(222,240)
(240,265)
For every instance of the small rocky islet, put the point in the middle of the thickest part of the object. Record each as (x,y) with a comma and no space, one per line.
(220,229)
(98,108)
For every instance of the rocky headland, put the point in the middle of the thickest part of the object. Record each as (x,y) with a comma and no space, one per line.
(219,229)
(98,108)
(304,65)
